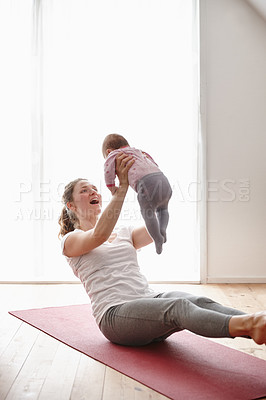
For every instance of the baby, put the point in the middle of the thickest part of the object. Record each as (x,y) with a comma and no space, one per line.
(145,177)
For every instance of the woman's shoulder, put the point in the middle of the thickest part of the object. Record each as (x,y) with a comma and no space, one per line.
(70,233)
(63,239)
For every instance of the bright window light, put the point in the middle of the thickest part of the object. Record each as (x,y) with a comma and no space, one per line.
(75,71)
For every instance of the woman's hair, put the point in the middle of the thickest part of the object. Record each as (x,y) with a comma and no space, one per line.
(68,220)
(113,141)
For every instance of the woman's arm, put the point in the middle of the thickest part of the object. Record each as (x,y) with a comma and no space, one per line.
(80,243)
(141,237)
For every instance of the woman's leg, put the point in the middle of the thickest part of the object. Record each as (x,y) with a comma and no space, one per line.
(240,325)
(143,321)
(203,302)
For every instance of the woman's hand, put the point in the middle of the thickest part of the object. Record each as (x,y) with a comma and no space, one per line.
(82,242)
(122,165)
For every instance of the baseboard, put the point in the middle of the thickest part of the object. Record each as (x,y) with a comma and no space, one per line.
(180,282)
(38,282)
(47,282)
(237,279)
(223,279)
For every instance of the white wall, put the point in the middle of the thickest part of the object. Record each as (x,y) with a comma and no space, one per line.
(233,89)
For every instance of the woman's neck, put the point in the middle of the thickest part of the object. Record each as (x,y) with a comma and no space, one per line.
(88,224)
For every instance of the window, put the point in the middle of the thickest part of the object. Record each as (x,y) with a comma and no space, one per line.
(75,71)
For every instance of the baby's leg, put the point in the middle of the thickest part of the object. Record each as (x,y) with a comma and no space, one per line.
(152,225)
(147,208)
(162,207)
(163,218)
(154,193)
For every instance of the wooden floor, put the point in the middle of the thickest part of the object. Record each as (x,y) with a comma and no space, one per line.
(35,366)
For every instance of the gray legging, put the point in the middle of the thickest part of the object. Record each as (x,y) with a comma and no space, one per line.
(147,320)
(154,193)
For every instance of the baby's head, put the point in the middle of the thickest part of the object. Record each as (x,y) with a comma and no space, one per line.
(113,142)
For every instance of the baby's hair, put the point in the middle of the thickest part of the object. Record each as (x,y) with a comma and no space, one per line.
(113,141)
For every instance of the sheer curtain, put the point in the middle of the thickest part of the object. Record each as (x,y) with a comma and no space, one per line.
(74,71)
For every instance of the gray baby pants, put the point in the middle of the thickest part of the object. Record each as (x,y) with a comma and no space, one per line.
(147,320)
(154,193)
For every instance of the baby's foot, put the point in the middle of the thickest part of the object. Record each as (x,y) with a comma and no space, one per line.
(159,245)
(159,248)
(164,236)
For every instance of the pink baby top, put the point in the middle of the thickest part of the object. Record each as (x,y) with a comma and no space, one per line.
(143,165)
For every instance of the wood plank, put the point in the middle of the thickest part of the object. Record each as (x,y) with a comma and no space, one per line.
(61,375)
(121,387)
(30,380)
(241,297)
(9,327)
(89,380)
(14,356)
(258,293)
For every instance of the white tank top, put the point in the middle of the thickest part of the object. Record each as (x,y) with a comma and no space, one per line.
(110,273)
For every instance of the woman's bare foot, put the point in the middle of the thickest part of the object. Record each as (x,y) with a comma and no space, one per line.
(258,330)
(253,325)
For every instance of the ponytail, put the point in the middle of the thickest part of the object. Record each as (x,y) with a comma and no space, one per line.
(65,223)
(68,220)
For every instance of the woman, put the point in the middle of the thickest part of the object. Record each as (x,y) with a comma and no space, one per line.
(126,309)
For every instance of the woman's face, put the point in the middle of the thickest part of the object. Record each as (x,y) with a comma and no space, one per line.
(86,199)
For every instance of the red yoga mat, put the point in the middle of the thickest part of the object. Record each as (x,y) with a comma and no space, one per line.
(184,366)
